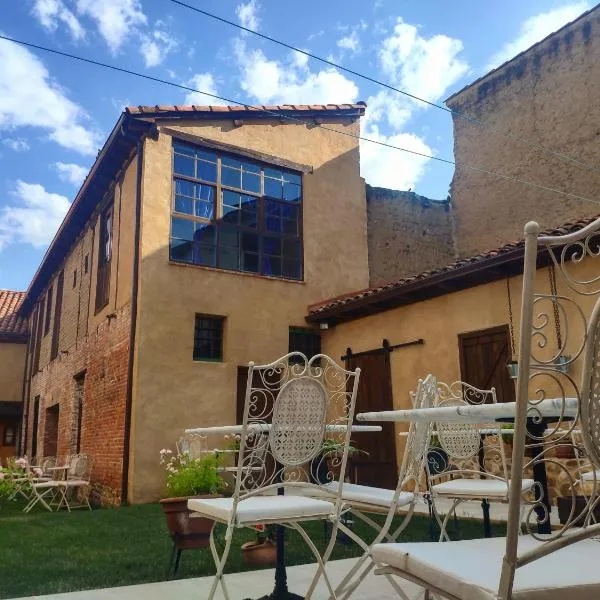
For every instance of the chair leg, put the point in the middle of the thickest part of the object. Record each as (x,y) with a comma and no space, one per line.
(171,561)
(443,526)
(220,561)
(177,561)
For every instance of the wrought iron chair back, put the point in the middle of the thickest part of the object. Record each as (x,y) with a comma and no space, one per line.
(542,375)
(80,467)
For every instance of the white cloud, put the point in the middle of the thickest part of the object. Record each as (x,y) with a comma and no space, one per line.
(205,82)
(30,98)
(247,13)
(120,103)
(388,106)
(16,144)
(71,173)
(386,167)
(157,45)
(350,42)
(535,29)
(116,19)
(50,12)
(319,33)
(34,217)
(276,82)
(422,66)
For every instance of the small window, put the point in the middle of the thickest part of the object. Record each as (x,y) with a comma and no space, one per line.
(307,341)
(10,436)
(48,311)
(208,338)
(86,264)
(75,278)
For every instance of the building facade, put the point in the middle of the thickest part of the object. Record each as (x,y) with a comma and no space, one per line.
(194,246)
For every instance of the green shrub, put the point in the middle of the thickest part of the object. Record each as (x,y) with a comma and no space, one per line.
(187,476)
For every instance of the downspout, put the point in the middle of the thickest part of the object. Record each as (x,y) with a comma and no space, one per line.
(134,304)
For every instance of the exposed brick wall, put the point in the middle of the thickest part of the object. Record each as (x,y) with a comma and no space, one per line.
(549,96)
(407,234)
(103,355)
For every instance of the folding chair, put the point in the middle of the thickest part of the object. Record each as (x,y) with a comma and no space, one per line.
(564,563)
(363,501)
(289,405)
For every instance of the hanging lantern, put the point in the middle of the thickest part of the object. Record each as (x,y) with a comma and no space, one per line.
(513,369)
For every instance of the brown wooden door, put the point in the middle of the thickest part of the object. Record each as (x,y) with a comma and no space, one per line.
(483,358)
(378,467)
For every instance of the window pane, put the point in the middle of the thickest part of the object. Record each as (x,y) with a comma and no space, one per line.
(182,228)
(251,182)
(184,205)
(231,177)
(273,188)
(228,236)
(229,259)
(185,188)
(229,161)
(205,192)
(205,234)
(253,168)
(291,268)
(207,171)
(275,173)
(250,242)
(207,155)
(181,251)
(272,266)
(205,255)
(231,198)
(184,165)
(292,177)
(272,245)
(184,148)
(204,209)
(291,248)
(250,262)
(291,192)
(249,218)
(208,338)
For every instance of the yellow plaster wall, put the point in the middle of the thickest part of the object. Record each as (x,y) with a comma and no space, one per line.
(172,391)
(440,320)
(12,367)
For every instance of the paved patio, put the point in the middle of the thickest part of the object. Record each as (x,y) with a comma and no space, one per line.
(242,585)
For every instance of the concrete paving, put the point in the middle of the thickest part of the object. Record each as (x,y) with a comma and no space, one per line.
(253,584)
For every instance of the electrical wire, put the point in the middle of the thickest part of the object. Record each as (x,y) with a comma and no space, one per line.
(281,115)
(504,132)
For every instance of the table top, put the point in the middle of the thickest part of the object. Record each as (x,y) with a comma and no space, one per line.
(470,413)
(265,427)
(59,468)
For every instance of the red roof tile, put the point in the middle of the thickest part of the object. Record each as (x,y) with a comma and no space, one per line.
(161,110)
(346,300)
(11,325)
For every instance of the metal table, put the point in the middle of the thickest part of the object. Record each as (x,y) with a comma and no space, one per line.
(539,415)
(280,589)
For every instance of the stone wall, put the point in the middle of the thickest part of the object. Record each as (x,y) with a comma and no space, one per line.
(407,234)
(548,95)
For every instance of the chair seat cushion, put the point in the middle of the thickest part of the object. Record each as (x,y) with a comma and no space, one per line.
(74,482)
(589,476)
(364,494)
(480,488)
(49,483)
(257,509)
(470,569)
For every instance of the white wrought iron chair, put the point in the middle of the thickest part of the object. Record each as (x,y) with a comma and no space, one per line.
(475,463)
(77,481)
(364,501)
(564,563)
(290,406)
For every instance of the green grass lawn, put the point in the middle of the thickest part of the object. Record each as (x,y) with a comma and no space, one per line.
(43,553)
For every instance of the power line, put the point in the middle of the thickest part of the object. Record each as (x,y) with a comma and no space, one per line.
(500,131)
(280,115)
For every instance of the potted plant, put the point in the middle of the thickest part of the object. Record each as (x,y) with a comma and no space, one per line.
(186,478)
(329,461)
(263,550)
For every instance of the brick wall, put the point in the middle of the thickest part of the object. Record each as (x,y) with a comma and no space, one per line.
(549,96)
(407,234)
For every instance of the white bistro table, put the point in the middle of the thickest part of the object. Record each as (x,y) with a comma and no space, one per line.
(539,414)
(280,592)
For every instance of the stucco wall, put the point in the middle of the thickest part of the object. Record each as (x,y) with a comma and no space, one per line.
(12,368)
(549,96)
(407,234)
(439,321)
(172,391)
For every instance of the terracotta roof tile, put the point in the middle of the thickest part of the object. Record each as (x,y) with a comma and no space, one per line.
(348,299)
(10,323)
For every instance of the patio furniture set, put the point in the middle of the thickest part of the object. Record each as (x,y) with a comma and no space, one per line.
(52,483)
(294,404)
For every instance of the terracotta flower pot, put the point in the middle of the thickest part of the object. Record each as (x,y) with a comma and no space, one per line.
(185,530)
(565,451)
(259,553)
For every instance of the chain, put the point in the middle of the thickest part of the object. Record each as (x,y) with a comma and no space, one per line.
(510,318)
(552,276)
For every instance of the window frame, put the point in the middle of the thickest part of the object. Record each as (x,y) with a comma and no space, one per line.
(48,310)
(217,222)
(221,332)
(103,270)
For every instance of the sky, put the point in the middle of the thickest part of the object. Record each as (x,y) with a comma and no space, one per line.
(55,113)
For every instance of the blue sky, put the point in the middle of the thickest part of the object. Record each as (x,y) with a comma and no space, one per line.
(56,113)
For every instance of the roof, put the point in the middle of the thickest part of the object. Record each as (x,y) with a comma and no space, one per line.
(132,125)
(247,111)
(521,54)
(12,326)
(488,266)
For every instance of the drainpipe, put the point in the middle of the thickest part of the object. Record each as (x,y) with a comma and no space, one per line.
(134,306)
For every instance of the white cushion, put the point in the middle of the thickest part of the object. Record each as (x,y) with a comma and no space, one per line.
(470,569)
(589,476)
(262,508)
(364,494)
(481,488)
(40,485)
(73,482)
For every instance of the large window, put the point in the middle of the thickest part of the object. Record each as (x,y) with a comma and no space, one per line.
(235,214)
